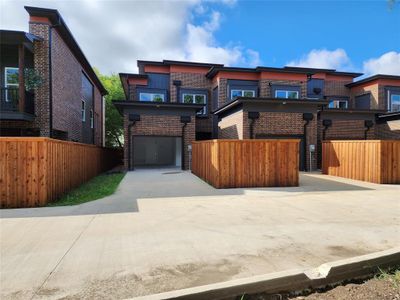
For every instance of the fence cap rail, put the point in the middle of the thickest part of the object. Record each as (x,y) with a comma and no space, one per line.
(43,139)
(360,141)
(247,141)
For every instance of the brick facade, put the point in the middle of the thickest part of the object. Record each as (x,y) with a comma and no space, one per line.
(347,130)
(231,127)
(164,125)
(336,88)
(388,131)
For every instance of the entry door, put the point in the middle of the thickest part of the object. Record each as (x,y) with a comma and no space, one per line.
(156,151)
(301,145)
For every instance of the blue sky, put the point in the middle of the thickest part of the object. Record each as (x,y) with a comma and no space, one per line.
(285,30)
(362,36)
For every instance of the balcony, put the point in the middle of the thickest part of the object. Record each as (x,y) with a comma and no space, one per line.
(16,104)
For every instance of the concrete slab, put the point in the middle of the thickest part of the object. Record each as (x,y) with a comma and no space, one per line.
(165,230)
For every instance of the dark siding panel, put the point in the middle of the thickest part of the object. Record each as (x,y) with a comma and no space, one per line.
(87,95)
(158,81)
(363,101)
(313,85)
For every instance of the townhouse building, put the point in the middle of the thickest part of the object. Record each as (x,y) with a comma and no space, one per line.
(48,87)
(169,104)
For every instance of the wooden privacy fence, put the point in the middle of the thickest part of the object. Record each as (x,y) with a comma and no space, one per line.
(247,163)
(376,161)
(35,171)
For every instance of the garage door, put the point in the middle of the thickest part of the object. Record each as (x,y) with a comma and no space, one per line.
(301,145)
(157,151)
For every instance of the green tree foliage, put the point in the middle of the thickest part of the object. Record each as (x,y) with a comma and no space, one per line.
(114,122)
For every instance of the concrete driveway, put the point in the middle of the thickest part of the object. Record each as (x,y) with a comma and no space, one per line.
(166,230)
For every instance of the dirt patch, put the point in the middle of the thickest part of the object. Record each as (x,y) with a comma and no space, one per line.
(387,288)
(158,280)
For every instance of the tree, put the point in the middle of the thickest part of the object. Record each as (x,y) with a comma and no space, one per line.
(114,121)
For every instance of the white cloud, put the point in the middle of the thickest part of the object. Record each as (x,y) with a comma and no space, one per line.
(388,63)
(114,34)
(323,58)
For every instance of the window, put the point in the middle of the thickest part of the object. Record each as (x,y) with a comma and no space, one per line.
(196,99)
(83,110)
(91,119)
(394,102)
(338,104)
(11,82)
(242,93)
(152,97)
(286,94)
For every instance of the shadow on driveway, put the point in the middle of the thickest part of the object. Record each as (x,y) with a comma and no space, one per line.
(166,183)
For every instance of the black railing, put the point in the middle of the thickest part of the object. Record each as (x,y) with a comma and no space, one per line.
(9,100)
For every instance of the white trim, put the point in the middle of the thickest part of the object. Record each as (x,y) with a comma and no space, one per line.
(6,85)
(204,110)
(242,92)
(286,94)
(151,96)
(337,101)
(391,94)
(83,110)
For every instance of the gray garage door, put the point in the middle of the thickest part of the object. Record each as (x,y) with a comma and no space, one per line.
(301,145)
(157,151)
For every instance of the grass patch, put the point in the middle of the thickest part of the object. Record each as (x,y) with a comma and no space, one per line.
(98,187)
(391,275)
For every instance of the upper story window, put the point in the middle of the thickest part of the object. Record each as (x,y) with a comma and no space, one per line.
(394,102)
(242,93)
(152,97)
(83,110)
(286,94)
(91,119)
(196,99)
(341,104)
(11,81)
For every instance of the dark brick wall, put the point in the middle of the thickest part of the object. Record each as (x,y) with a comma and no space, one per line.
(160,126)
(336,88)
(231,127)
(385,132)
(66,89)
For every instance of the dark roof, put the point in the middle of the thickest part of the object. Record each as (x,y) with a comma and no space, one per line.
(13,37)
(121,104)
(372,78)
(239,100)
(388,117)
(55,18)
(298,70)
(358,111)
(177,62)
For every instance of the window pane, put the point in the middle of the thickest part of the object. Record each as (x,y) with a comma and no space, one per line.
(200,99)
(158,97)
(12,76)
(395,102)
(248,93)
(187,98)
(331,104)
(236,93)
(145,97)
(83,104)
(280,94)
(342,104)
(293,95)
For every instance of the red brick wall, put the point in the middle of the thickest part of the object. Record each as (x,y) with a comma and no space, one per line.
(66,89)
(336,88)
(231,127)
(160,126)
(265,88)
(346,130)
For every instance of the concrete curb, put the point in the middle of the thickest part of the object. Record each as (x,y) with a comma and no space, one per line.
(288,281)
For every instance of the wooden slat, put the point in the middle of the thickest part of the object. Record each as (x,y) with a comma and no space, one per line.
(367,160)
(247,163)
(35,171)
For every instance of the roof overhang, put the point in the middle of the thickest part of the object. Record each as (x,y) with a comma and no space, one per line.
(241,101)
(373,78)
(174,108)
(382,118)
(12,37)
(56,20)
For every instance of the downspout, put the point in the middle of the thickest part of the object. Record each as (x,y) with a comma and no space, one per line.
(51,78)
(253,116)
(185,120)
(133,118)
(306,117)
(367,124)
